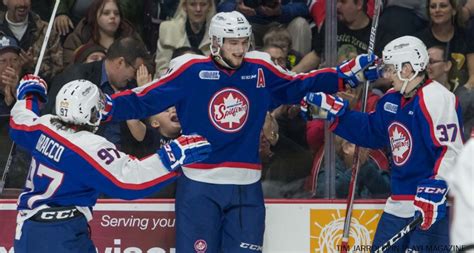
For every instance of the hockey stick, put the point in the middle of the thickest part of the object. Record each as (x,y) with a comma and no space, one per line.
(356,161)
(407,229)
(37,68)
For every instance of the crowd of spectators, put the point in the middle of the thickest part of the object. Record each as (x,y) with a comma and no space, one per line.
(122,44)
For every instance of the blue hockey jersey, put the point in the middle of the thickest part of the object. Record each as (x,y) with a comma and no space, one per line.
(227,107)
(71,168)
(424,134)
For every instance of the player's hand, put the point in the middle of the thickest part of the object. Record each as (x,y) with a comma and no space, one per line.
(430,201)
(108,106)
(184,150)
(334,105)
(31,84)
(359,69)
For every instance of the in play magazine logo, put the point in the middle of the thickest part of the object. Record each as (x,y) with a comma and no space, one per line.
(400,142)
(228,110)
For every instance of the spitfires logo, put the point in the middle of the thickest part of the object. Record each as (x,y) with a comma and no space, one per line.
(228,110)
(401,143)
(200,246)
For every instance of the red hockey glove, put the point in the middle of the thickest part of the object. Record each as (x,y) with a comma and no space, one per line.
(430,201)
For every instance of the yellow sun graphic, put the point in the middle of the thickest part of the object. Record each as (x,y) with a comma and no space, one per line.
(327,227)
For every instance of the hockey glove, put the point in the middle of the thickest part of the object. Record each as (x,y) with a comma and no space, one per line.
(334,105)
(107,109)
(359,69)
(31,84)
(430,201)
(304,112)
(184,150)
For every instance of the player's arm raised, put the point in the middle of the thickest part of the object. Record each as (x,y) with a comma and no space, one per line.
(31,91)
(119,175)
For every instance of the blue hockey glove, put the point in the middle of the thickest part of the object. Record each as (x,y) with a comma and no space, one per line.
(359,69)
(430,201)
(184,150)
(334,105)
(31,84)
(107,108)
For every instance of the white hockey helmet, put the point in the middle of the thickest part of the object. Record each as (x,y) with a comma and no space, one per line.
(80,102)
(406,49)
(229,25)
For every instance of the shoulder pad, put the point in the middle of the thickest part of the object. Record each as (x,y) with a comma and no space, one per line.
(183,61)
(265,58)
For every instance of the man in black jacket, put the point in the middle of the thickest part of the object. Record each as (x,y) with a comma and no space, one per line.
(112,75)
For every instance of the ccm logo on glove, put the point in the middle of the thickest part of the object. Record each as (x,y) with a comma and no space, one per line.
(169,152)
(431,190)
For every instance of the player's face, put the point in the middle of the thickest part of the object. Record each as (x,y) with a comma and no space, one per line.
(233,50)
(197,10)
(441,11)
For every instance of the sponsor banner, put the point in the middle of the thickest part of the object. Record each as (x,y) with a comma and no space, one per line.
(326,229)
(148,226)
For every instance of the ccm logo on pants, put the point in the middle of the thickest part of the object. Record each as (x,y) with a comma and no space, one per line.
(250,246)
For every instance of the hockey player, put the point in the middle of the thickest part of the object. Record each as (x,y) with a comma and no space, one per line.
(419,119)
(71,166)
(225,97)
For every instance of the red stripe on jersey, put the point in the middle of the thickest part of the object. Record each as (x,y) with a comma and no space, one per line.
(164,80)
(91,160)
(236,165)
(403,197)
(427,115)
(280,74)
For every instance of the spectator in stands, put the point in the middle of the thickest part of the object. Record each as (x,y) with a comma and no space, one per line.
(269,13)
(70,13)
(277,55)
(410,15)
(439,65)
(353,32)
(278,36)
(155,13)
(88,53)
(10,71)
(27,27)
(447,29)
(122,63)
(285,163)
(372,181)
(189,27)
(102,26)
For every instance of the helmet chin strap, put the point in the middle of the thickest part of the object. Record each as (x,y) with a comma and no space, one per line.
(405,84)
(218,58)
